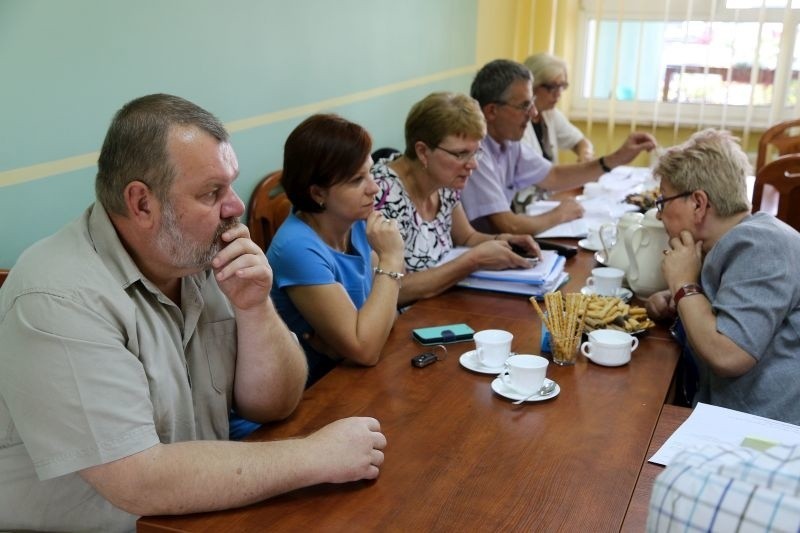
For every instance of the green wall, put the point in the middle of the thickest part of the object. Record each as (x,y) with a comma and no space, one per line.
(67,66)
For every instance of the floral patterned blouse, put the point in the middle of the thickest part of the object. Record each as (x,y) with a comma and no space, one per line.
(427,241)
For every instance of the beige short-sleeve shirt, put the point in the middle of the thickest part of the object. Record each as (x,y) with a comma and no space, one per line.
(98,364)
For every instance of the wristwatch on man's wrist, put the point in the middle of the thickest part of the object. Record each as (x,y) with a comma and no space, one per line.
(690,289)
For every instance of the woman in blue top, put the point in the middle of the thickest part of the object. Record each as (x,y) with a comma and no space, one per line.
(327,252)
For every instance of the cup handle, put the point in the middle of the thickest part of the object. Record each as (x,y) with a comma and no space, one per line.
(606,246)
(505,377)
(585,349)
(634,344)
(479,354)
(590,281)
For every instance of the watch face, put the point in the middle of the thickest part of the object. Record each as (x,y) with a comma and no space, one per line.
(687,290)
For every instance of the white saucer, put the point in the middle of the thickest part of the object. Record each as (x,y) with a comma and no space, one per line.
(507,392)
(622,293)
(470,362)
(584,243)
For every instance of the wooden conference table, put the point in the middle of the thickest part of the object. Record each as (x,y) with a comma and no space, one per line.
(459,456)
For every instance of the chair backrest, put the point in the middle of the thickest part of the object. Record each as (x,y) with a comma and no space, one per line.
(783,176)
(269,207)
(3,276)
(782,138)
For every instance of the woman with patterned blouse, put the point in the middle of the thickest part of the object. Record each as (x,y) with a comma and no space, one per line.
(420,189)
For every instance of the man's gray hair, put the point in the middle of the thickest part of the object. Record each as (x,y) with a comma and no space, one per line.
(135,147)
(492,82)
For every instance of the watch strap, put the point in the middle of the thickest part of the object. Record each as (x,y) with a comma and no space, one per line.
(690,289)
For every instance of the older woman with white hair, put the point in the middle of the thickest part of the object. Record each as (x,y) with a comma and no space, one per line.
(550,131)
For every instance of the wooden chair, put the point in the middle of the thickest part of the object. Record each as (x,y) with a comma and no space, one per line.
(3,276)
(782,139)
(782,176)
(269,207)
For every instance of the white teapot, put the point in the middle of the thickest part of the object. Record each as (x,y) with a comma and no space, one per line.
(645,244)
(612,237)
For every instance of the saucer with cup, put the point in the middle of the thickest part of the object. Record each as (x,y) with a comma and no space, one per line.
(522,378)
(592,241)
(604,281)
(622,293)
(492,348)
(609,347)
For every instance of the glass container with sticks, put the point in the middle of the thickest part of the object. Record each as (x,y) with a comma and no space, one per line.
(564,320)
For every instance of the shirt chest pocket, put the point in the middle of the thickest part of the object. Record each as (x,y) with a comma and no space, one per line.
(218,362)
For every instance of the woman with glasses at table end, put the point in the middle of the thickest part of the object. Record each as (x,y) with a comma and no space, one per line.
(550,131)
(733,280)
(338,265)
(420,189)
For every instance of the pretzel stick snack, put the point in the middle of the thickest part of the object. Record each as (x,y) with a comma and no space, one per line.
(539,311)
(564,319)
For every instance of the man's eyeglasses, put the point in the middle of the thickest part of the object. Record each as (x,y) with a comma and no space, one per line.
(464,157)
(525,107)
(553,87)
(660,201)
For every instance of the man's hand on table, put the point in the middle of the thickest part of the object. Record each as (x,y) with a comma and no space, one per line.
(350,449)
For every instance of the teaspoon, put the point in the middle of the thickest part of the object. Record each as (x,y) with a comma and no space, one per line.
(544,391)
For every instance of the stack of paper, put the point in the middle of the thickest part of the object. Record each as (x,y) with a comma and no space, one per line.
(543,277)
(608,206)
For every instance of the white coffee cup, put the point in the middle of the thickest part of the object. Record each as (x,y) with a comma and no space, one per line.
(609,347)
(492,347)
(593,238)
(605,281)
(525,373)
(593,189)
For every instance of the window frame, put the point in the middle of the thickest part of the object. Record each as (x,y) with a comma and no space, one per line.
(686,114)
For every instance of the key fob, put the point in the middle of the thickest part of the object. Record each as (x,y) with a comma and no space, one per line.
(424,359)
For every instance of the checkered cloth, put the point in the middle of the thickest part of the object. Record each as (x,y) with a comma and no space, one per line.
(727,489)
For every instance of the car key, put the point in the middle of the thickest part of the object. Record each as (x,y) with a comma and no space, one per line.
(424,359)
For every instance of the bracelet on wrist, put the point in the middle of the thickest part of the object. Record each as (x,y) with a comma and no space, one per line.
(394,275)
(690,289)
(603,164)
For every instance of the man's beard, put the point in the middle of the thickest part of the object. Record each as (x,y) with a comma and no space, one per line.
(185,253)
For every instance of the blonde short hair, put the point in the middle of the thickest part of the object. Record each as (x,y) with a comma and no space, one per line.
(545,68)
(441,114)
(711,161)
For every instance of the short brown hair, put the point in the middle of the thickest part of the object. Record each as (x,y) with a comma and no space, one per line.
(323,150)
(135,147)
(441,114)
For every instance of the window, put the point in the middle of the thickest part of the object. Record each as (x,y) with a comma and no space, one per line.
(697,63)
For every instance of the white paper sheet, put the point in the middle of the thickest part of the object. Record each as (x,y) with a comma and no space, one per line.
(709,424)
(607,207)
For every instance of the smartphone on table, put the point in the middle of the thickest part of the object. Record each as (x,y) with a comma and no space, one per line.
(446,334)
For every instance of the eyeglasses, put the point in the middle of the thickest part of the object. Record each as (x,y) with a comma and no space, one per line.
(525,107)
(660,201)
(553,87)
(464,157)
